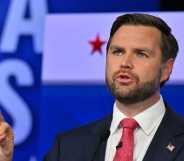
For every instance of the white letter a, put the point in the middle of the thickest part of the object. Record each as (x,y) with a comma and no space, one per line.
(16,25)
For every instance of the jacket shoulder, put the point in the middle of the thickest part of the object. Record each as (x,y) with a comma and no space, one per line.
(94,128)
(76,141)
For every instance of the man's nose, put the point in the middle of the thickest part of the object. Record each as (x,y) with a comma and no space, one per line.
(127,61)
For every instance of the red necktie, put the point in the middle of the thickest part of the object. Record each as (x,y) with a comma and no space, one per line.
(126,146)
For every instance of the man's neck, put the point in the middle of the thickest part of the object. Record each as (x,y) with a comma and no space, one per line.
(131,110)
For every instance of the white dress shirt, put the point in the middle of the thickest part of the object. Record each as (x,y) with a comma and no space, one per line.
(148,120)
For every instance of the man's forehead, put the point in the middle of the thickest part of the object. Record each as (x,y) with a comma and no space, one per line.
(136,34)
(143,28)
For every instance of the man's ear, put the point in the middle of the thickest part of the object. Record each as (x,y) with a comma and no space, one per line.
(166,69)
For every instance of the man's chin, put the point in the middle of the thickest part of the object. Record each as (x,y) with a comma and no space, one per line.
(124,92)
(124,83)
(125,88)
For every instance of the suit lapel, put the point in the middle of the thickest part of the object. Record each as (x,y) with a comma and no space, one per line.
(102,132)
(100,153)
(168,139)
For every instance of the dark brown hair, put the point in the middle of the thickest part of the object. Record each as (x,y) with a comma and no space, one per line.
(168,42)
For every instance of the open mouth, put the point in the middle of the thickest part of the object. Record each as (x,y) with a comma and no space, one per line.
(124,79)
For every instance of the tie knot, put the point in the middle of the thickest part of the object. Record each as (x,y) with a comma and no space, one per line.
(129,123)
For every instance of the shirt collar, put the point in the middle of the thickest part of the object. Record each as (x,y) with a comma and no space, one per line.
(152,116)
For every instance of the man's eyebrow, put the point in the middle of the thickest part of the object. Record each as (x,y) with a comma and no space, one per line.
(116,47)
(144,49)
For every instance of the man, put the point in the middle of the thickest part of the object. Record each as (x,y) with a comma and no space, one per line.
(140,55)
(6,141)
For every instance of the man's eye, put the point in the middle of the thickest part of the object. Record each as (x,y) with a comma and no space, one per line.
(117,52)
(142,54)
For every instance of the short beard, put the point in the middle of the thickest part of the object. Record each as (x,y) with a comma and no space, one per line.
(140,93)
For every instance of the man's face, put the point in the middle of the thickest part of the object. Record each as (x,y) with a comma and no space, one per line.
(134,67)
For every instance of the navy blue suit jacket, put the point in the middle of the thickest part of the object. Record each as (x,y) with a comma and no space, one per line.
(88,143)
